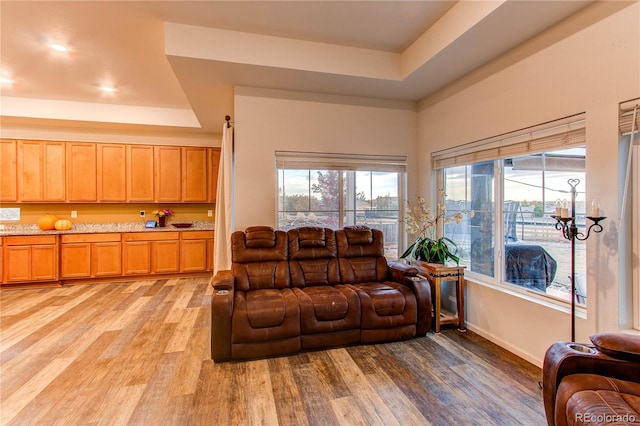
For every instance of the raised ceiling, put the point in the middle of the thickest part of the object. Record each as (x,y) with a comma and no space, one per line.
(175,63)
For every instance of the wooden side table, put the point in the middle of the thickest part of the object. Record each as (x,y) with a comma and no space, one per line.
(437,274)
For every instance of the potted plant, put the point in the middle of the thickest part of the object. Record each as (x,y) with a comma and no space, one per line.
(423,223)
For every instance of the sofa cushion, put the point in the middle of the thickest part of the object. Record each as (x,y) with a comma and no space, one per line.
(265,308)
(359,241)
(261,245)
(326,309)
(261,275)
(265,315)
(586,396)
(603,407)
(386,305)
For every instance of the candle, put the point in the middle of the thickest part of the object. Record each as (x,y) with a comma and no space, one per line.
(565,209)
(558,207)
(595,208)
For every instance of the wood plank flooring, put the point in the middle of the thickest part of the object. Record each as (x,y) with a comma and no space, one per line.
(138,353)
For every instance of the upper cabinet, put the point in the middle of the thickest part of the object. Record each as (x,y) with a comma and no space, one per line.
(82,171)
(194,174)
(168,174)
(8,170)
(140,173)
(41,171)
(112,172)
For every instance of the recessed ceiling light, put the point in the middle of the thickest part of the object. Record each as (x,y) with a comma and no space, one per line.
(6,80)
(108,89)
(58,47)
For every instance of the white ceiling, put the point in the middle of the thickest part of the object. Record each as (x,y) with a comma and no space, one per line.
(175,63)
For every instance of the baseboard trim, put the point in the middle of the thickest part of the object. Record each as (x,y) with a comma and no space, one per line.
(503,344)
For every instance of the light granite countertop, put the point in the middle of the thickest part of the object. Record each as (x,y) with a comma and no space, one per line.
(97,228)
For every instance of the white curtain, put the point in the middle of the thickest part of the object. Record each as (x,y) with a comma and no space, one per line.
(224,218)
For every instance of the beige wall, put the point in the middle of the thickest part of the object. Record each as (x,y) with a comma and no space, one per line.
(589,63)
(269,120)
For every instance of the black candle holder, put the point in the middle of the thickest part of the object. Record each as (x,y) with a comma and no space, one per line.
(570,232)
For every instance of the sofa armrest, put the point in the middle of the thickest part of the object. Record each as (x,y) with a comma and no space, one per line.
(564,358)
(421,288)
(399,270)
(221,312)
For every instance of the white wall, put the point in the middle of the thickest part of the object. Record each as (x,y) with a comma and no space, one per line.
(590,62)
(269,120)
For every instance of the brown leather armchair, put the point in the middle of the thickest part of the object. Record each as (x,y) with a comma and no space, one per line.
(596,383)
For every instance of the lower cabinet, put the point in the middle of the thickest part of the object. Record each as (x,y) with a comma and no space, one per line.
(150,253)
(30,259)
(90,255)
(42,258)
(196,251)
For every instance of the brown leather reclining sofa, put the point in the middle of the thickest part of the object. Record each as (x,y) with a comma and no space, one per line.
(595,383)
(311,288)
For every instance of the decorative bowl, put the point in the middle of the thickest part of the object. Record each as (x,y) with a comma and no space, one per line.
(182,225)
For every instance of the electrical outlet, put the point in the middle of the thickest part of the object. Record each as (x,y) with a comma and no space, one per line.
(210,213)
(142,213)
(74,214)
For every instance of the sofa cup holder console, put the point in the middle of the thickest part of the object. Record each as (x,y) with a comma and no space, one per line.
(581,348)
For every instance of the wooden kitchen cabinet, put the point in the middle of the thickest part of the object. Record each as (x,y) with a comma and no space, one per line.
(81,172)
(30,258)
(90,255)
(210,254)
(112,172)
(41,171)
(8,170)
(213,160)
(196,247)
(150,253)
(167,174)
(194,174)
(139,171)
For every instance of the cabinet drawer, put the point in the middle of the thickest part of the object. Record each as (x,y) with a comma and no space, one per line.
(30,240)
(196,235)
(151,236)
(89,238)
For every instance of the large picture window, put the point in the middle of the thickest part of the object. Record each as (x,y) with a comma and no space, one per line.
(334,191)
(507,199)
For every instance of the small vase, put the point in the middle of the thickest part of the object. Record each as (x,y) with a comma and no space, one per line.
(162,221)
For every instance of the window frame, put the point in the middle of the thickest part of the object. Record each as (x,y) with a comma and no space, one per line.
(313,161)
(496,149)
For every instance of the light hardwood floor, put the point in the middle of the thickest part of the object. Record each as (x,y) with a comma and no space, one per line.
(138,353)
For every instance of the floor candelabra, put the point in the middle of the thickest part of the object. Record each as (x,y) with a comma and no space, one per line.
(566,221)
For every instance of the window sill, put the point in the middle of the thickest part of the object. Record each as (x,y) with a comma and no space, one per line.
(547,300)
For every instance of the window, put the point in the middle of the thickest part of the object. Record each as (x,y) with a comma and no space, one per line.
(507,199)
(334,191)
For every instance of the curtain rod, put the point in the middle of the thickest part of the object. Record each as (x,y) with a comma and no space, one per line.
(227,119)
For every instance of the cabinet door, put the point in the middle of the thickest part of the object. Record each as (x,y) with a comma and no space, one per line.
(194,174)
(213,167)
(106,259)
(75,260)
(139,171)
(81,172)
(17,261)
(193,255)
(41,171)
(167,171)
(44,263)
(136,257)
(166,256)
(112,176)
(8,170)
